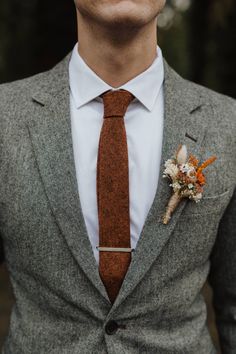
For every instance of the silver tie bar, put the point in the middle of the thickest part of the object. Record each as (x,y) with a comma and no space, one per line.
(115,249)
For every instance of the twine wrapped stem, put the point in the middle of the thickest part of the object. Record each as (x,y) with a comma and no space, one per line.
(172,205)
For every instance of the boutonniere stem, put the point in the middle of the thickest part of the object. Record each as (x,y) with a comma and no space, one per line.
(172,205)
(187,179)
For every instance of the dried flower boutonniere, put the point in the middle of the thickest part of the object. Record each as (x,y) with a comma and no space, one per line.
(187,179)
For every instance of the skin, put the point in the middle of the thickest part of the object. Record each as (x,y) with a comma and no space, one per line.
(118,38)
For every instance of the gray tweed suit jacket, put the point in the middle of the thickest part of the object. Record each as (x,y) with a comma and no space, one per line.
(61,304)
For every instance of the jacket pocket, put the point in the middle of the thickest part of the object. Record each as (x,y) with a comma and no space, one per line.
(208,205)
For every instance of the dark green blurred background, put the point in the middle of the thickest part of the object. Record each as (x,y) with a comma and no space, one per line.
(197,38)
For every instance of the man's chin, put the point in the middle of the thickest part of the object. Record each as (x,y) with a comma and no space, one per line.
(124,22)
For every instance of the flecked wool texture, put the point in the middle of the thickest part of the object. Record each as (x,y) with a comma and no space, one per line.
(113,191)
(61,303)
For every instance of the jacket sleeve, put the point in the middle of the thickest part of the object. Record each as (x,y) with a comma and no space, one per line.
(222,278)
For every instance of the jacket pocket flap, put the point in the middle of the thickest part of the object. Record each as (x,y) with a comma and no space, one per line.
(207,205)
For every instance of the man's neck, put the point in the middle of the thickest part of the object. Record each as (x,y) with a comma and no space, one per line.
(115,58)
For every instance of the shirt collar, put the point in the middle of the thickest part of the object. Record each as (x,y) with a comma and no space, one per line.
(86,85)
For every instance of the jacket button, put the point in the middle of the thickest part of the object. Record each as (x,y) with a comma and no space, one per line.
(111,327)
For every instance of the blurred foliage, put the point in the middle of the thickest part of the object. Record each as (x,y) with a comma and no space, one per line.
(197,38)
(34,35)
(199,41)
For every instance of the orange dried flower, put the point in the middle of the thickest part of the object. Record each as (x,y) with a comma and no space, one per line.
(206,163)
(201,178)
(184,178)
(193,160)
(199,189)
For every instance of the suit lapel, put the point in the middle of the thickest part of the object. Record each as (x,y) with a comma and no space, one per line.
(184,123)
(50,133)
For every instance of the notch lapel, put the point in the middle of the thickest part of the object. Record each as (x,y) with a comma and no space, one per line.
(50,134)
(184,123)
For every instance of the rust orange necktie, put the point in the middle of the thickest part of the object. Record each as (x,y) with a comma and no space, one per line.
(113,193)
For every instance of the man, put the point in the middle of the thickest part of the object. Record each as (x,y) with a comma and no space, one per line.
(82,146)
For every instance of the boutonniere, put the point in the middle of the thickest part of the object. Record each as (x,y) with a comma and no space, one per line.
(187,179)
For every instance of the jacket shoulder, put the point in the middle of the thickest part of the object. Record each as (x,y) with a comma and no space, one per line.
(17,91)
(20,91)
(17,97)
(223,106)
(218,100)
(16,101)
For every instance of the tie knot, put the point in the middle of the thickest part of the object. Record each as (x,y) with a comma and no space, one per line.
(116,102)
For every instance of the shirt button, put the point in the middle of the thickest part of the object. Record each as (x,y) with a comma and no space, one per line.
(111,327)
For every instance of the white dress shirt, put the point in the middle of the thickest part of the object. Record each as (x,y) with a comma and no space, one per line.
(144,128)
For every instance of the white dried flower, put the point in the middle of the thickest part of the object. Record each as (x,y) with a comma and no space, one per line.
(186,193)
(171,170)
(186,168)
(176,186)
(169,162)
(197,197)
